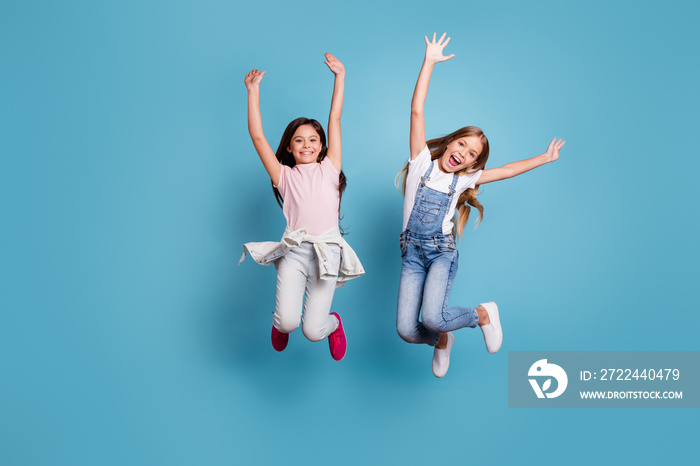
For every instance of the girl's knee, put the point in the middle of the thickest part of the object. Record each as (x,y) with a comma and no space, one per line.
(285,324)
(313,332)
(434,322)
(408,333)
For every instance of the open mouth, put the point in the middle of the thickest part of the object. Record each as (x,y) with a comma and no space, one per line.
(306,154)
(453,161)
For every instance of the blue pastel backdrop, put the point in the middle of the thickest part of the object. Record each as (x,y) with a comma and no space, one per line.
(128,334)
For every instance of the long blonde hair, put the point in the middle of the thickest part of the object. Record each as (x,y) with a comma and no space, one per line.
(467,199)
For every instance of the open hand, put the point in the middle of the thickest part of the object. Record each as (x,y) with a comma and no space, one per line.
(253,79)
(334,64)
(552,153)
(433,50)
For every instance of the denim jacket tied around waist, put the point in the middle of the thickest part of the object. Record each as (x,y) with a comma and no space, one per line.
(269,252)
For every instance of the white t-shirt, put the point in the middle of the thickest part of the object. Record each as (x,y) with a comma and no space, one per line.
(438,181)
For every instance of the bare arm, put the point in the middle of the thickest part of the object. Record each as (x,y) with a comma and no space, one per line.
(512,169)
(433,54)
(267,155)
(335,151)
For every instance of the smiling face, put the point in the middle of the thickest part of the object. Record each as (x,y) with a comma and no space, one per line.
(461,153)
(305,145)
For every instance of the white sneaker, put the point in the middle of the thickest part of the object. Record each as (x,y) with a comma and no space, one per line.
(493,335)
(441,357)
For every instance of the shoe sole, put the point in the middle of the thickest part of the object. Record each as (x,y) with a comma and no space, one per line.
(495,321)
(450,342)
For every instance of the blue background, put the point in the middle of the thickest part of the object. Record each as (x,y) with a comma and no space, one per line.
(128,334)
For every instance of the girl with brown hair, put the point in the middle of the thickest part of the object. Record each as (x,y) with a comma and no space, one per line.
(312,258)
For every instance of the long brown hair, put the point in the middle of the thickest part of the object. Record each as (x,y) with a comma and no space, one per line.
(286,158)
(467,199)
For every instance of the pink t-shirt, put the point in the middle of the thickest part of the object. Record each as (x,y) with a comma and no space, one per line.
(311,197)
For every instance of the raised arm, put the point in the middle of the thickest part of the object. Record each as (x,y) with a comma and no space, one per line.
(512,169)
(433,54)
(335,146)
(267,155)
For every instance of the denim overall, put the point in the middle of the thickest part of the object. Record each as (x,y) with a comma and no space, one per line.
(428,270)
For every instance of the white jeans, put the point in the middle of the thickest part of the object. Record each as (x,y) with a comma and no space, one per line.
(298,275)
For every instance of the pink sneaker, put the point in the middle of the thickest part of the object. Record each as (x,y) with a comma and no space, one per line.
(279,339)
(336,340)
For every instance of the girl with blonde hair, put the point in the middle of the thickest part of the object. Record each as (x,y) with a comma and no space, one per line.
(441,177)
